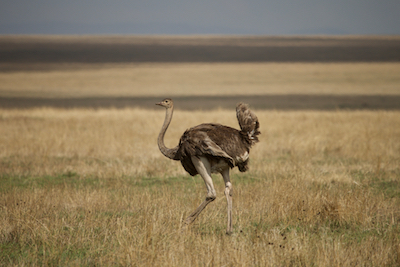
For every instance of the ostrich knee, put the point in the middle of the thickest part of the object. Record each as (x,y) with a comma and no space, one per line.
(211,195)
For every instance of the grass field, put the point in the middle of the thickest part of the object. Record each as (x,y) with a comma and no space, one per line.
(89,187)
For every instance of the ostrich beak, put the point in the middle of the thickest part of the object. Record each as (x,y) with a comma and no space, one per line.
(159,103)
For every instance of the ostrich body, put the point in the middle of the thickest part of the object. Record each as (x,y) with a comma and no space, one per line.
(212,148)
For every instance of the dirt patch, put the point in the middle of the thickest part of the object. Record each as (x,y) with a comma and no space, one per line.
(268,102)
(18,52)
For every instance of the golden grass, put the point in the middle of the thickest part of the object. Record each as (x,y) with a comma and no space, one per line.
(185,79)
(130,134)
(89,187)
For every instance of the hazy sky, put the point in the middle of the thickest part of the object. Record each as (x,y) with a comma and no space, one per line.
(200,17)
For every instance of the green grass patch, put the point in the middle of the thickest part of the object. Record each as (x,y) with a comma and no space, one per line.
(74,180)
(65,179)
(381,182)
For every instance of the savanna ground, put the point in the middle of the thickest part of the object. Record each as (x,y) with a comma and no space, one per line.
(86,186)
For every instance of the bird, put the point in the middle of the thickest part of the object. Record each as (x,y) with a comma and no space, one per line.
(212,148)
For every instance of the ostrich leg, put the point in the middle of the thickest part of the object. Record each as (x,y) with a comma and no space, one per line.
(203,167)
(228,194)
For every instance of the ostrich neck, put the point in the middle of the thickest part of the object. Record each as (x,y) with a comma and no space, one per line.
(168,152)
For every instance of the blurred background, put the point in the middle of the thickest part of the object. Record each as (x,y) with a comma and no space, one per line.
(254,17)
(273,54)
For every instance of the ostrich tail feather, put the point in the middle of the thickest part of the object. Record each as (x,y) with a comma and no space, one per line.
(248,123)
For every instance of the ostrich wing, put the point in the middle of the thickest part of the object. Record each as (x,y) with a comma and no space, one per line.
(211,148)
(197,142)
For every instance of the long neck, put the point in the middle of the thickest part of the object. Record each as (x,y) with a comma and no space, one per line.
(168,152)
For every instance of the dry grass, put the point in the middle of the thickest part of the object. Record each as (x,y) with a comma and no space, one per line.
(89,187)
(204,79)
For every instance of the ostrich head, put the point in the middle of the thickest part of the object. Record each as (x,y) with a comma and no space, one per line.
(166,103)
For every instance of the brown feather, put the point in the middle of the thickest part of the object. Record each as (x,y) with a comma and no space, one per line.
(213,141)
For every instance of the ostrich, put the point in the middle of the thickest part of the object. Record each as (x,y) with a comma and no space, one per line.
(212,148)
